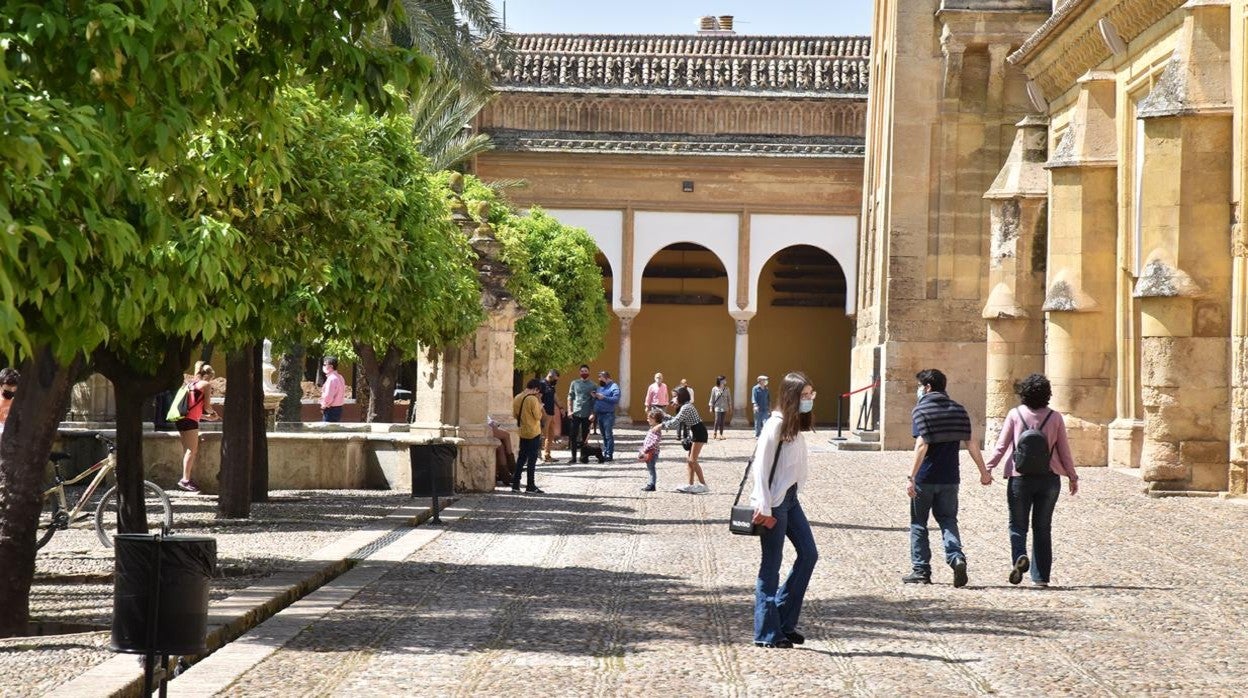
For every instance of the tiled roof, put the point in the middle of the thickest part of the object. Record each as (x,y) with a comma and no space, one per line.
(773,65)
(672,144)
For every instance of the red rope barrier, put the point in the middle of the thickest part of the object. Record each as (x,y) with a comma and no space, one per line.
(852,392)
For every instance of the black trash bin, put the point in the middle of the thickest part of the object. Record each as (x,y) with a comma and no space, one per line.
(160,593)
(433,470)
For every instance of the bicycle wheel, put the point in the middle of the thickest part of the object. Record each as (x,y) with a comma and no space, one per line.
(156,504)
(51,518)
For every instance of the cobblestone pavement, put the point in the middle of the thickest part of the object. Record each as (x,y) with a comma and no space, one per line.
(595,588)
(73,573)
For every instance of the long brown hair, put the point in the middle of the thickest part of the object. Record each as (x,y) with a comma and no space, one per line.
(790,405)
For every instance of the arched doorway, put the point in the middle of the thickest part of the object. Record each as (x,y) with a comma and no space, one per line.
(683,329)
(801,325)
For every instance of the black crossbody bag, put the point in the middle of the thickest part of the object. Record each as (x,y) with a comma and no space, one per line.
(741,522)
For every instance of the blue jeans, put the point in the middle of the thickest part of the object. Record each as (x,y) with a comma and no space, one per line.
(940,501)
(527,458)
(776,606)
(606,426)
(331,414)
(760,418)
(1034,497)
(650,467)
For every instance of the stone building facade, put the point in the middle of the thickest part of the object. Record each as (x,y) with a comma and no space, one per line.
(1108,251)
(721,177)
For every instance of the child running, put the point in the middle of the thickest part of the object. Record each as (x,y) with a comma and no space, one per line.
(649,452)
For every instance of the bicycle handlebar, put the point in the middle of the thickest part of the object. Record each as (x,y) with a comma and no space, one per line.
(110,443)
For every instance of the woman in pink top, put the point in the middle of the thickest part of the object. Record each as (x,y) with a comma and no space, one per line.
(1034,497)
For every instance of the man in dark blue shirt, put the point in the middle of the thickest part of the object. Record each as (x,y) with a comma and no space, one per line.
(941,427)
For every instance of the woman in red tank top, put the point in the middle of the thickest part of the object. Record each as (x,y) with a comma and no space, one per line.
(188,427)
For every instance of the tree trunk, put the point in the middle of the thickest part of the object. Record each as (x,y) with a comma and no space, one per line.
(237,444)
(133,387)
(382,375)
(290,380)
(259,433)
(28,434)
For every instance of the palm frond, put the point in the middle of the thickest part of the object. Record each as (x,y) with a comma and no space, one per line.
(441,113)
(464,37)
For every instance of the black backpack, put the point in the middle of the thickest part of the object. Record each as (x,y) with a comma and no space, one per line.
(1032,451)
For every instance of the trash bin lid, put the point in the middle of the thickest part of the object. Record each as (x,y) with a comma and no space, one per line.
(155,537)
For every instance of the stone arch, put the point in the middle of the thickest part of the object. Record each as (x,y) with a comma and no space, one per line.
(655,230)
(835,235)
(801,319)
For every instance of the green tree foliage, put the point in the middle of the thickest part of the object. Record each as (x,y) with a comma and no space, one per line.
(555,278)
(99,101)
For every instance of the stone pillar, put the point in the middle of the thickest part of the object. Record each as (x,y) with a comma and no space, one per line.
(1016,267)
(462,387)
(1239,285)
(741,368)
(93,401)
(1185,285)
(625,379)
(1080,297)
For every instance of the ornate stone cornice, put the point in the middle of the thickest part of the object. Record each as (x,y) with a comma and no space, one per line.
(675,144)
(805,66)
(1069,44)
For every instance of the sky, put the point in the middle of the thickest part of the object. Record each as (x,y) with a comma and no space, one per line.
(799,17)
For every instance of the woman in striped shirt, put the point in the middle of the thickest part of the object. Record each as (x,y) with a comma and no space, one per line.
(688,417)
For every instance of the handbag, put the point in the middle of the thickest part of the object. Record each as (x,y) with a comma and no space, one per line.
(741,520)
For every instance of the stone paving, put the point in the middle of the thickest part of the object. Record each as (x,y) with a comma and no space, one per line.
(73,573)
(595,588)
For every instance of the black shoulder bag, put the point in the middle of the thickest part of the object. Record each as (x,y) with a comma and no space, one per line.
(741,522)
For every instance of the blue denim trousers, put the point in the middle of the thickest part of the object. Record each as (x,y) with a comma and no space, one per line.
(1033,497)
(777,606)
(650,467)
(331,414)
(760,418)
(941,502)
(606,426)
(527,458)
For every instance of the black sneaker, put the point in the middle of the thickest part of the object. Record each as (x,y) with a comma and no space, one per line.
(917,578)
(778,644)
(571,460)
(515,489)
(796,637)
(959,573)
(533,490)
(648,488)
(1021,565)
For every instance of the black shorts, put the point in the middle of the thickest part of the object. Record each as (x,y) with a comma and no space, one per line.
(186,424)
(698,431)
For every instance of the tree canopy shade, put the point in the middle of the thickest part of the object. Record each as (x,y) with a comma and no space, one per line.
(554,278)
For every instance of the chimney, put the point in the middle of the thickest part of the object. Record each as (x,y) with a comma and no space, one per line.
(716,26)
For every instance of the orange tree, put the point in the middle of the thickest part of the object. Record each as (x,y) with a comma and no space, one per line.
(99,101)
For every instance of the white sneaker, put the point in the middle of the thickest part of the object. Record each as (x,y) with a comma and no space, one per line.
(686,489)
(699,489)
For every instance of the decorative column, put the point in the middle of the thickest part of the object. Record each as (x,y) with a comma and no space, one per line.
(1185,285)
(625,379)
(1082,257)
(1014,310)
(741,368)
(462,387)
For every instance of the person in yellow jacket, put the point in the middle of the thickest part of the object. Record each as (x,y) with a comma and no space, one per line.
(527,409)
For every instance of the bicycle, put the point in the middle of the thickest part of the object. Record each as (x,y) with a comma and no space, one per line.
(57,515)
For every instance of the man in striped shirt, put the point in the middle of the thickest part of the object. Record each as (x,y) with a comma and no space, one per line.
(941,428)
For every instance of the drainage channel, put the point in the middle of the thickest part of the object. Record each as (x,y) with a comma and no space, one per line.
(243,611)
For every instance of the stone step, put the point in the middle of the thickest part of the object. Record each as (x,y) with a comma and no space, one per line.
(856,445)
(867,435)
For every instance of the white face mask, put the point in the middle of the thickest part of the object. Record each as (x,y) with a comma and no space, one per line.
(918,394)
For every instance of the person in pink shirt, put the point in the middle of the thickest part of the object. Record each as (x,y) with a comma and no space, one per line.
(334,392)
(657,394)
(1033,497)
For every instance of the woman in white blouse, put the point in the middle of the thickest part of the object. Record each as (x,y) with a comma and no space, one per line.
(782,447)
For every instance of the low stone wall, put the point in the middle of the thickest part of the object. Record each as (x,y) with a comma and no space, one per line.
(330,457)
